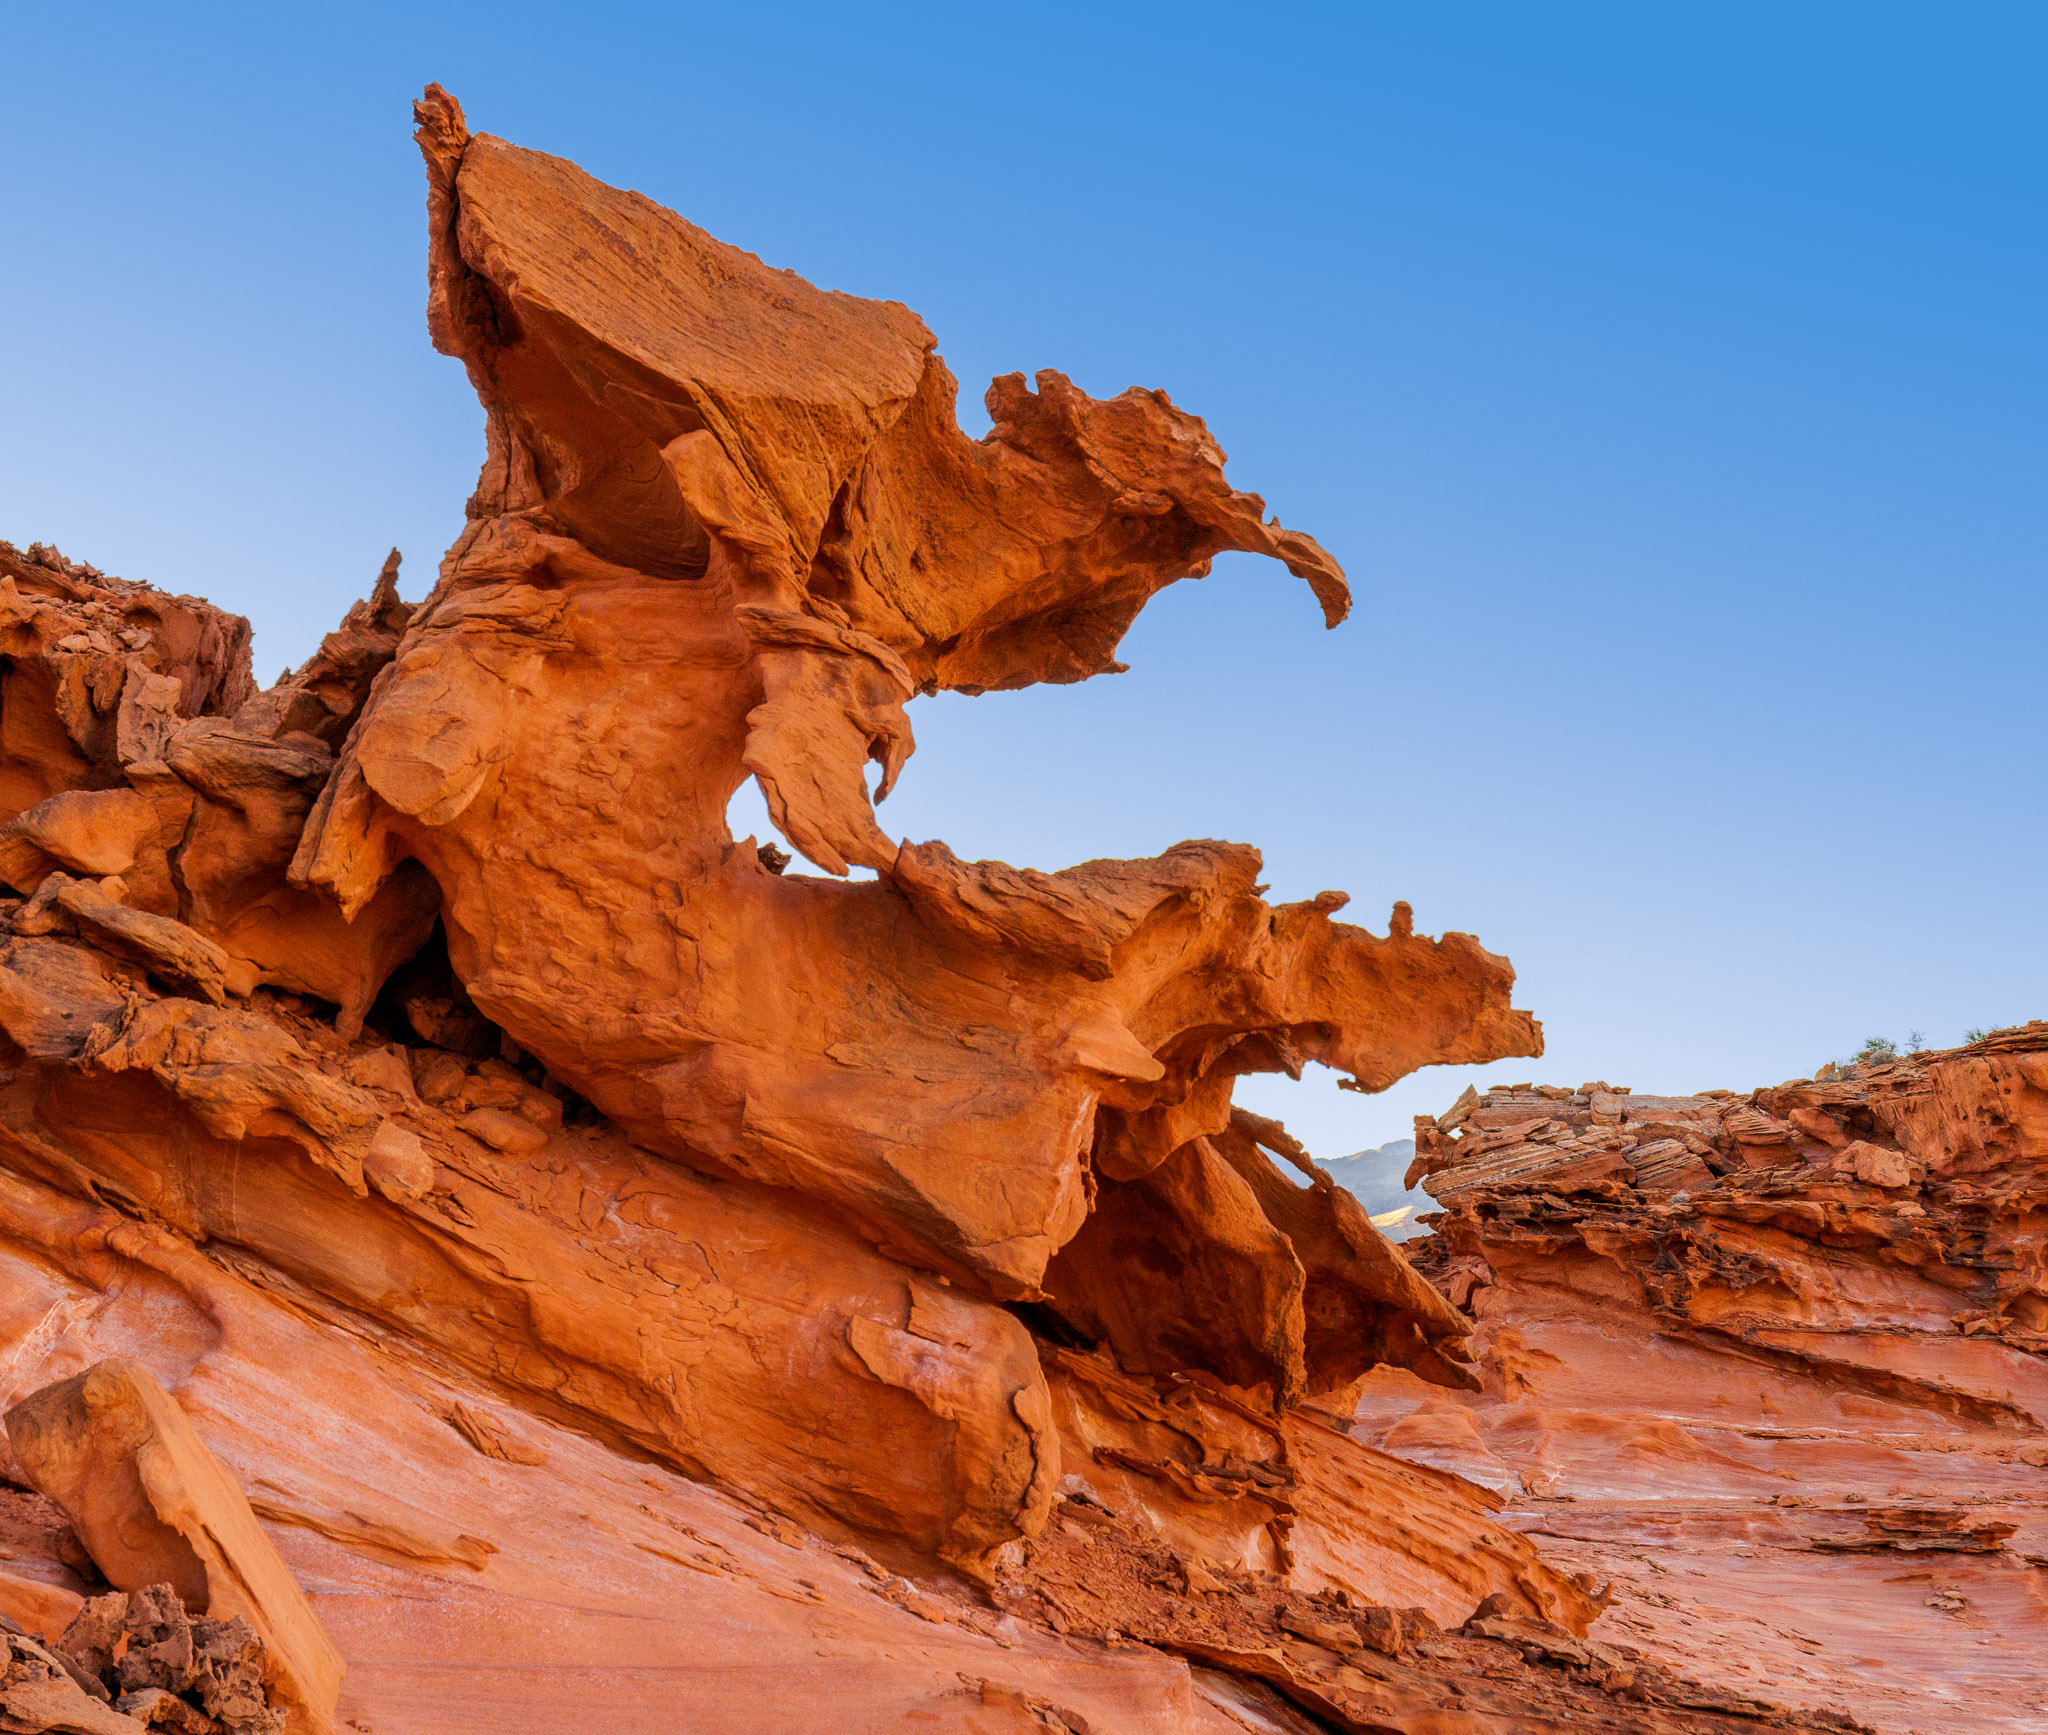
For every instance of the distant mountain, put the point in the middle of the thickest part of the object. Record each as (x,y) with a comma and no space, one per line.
(1373,1178)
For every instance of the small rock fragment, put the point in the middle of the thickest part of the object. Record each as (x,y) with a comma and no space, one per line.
(397,1165)
(504,1130)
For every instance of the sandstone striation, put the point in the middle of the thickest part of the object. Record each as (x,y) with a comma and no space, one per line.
(1771,1364)
(164,1521)
(467,1217)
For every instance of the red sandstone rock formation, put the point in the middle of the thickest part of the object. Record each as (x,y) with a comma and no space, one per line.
(1771,1365)
(162,1519)
(634,1286)
(728,527)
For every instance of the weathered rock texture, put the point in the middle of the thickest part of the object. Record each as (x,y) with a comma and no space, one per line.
(162,1519)
(132,1661)
(637,1286)
(728,527)
(1771,1364)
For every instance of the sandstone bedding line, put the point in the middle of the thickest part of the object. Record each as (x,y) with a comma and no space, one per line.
(600,1276)
(1771,1363)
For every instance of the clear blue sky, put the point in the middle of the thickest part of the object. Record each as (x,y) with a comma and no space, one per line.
(1669,377)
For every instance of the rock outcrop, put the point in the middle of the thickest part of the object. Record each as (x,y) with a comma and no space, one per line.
(421,1005)
(465,1214)
(728,527)
(1771,1364)
(163,1521)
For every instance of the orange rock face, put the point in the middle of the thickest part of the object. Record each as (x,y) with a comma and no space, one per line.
(604,1278)
(1772,1365)
(728,527)
(154,1509)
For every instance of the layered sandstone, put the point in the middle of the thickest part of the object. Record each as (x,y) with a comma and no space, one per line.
(520,1184)
(169,1527)
(602,1277)
(1770,1363)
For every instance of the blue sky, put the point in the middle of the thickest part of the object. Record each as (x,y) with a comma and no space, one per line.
(1669,377)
